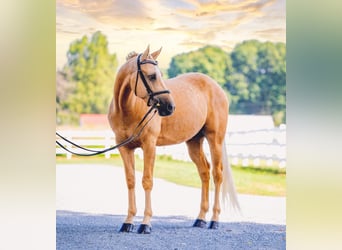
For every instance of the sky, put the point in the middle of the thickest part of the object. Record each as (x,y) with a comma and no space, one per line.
(176,25)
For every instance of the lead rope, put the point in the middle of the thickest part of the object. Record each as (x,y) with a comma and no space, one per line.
(136,133)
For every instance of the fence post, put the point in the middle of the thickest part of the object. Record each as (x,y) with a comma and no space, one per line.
(69,146)
(107,145)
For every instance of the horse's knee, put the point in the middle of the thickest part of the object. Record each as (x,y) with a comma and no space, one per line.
(147,183)
(130,181)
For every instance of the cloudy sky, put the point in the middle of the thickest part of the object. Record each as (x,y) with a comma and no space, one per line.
(176,25)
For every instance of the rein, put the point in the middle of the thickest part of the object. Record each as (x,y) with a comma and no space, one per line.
(136,133)
(150,93)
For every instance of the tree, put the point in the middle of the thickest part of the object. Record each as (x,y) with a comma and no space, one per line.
(90,73)
(63,90)
(253,74)
(209,60)
(262,88)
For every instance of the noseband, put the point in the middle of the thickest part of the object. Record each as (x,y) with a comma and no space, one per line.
(150,93)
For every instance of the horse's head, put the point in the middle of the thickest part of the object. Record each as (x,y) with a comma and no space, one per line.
(148,84)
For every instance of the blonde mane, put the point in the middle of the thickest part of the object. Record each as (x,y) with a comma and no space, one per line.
(131,55)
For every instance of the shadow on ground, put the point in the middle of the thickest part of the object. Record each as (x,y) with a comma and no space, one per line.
(95,231)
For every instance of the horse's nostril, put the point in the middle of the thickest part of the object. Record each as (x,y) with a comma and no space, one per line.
(170,107)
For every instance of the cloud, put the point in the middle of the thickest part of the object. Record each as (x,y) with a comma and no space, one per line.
(273,34)
(205,20)
(179,24)
(127,13)
(167,29)
(192,44)
(201,19)
(211,8)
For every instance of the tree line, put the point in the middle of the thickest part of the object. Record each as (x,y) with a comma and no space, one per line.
(253,76)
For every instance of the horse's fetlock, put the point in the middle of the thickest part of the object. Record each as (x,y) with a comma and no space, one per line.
(132,212)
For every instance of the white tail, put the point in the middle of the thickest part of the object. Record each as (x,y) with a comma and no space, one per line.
(228,187)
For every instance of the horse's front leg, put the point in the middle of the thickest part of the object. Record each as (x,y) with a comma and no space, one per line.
(147,182)
(127,156)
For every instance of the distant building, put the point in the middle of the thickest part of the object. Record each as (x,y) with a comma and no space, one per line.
(94,121)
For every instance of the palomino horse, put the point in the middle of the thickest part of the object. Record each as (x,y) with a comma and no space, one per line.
(191,107)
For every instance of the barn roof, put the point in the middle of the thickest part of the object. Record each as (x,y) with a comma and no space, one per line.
(94,121)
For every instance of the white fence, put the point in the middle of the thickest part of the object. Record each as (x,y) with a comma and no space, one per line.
(254,147)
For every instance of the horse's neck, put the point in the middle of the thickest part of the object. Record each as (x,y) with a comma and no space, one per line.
(125,101)
(123,95)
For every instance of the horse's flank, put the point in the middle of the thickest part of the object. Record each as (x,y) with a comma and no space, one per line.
(192,93)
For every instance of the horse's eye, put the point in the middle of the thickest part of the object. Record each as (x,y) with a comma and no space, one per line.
(152,77)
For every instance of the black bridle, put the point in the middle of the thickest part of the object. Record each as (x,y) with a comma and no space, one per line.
(141,125)
(150,93)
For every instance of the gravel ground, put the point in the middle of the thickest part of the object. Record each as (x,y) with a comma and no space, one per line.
(93,231)
(92,202)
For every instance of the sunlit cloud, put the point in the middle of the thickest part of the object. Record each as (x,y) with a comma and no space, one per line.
(271,34)
(178,25)
(212,8)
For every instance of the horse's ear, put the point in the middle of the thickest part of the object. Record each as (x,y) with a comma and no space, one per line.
(146,53)
(155,54)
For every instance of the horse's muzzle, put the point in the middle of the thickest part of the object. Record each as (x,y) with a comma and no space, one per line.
(165,108)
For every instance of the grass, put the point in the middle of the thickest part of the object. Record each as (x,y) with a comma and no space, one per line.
(260,181)
(248,180)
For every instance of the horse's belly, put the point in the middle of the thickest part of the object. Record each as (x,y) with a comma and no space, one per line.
(176,135)
(183,124)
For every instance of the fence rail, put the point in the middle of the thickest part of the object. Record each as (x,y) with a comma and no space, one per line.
(254,147)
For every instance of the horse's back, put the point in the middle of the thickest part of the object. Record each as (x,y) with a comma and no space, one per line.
(200,103)
(202,89)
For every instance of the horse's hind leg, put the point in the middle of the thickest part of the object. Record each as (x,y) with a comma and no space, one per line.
(198,157)
(215,141)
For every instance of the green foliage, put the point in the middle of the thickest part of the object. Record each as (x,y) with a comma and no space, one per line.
(209,60)
(253,74)
(86,81)
(258,84)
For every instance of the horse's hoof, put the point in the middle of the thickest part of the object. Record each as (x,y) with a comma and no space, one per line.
(144,229)
(213,225)
(126,228)
(200,223)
